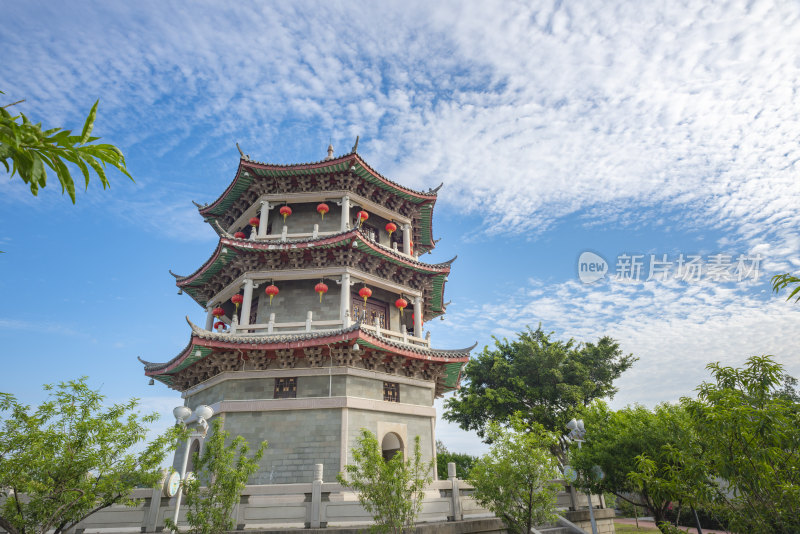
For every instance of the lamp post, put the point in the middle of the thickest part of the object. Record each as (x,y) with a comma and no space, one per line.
(182,413)
(577,433)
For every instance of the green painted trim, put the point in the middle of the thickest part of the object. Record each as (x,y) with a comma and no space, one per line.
(452,372)
(242,183)
(192,358)
(221,261)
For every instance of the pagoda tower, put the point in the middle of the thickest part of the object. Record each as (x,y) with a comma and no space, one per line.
(316,301)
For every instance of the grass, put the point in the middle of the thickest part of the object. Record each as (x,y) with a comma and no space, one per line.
(622,528)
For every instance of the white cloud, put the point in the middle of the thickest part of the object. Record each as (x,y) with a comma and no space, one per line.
(674,328)
(617,112)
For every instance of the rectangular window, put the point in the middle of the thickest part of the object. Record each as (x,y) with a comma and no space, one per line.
(391,391)
(286,388)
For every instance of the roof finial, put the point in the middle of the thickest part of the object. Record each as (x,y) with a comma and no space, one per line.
(355,146)
(242,154)
(330,152)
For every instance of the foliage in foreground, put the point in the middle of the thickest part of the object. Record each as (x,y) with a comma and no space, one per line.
(734,451)
(614,441)
(755,446)
(514,479)
(221,474)
(71,457)
(463,461)
(544,380)
(392,491)
(27,150)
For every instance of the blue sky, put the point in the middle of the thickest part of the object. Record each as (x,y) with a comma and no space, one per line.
(558,128)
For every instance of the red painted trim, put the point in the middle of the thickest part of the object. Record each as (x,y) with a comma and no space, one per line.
(246,244)
(211,206)
(209,262)
(251,165)
(337,338)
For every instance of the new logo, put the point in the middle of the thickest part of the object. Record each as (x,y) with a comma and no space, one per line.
(591,267)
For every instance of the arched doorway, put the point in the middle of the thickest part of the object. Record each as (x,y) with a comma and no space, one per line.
(194,449)
(391,445)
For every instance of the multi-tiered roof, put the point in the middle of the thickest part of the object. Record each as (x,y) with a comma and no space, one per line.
(348,255)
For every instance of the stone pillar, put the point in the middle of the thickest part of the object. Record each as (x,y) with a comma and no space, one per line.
(315,521)
(345,213)
(209,317)
(458,515)
(407,239)
(344,302)
(418,316)
(263,220)
(247,303)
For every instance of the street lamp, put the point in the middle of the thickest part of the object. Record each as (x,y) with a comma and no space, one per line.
(576,433)
(182,413)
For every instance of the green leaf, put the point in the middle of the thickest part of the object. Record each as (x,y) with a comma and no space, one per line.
(89,124)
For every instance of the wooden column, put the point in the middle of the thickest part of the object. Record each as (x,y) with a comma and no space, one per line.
(418,316)
(209,317)
(407,239)
(247,303)
(263,219)
(345,212)
(344,303)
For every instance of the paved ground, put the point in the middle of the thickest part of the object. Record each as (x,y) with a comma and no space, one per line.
(644,523)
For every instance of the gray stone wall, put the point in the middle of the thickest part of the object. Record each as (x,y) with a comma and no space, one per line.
(309,386)
(250,389)
(371,388)
(319,386)
(296,298)
(298,439)
(416,425)
(303,218)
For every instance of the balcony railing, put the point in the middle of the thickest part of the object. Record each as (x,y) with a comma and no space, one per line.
(295,327)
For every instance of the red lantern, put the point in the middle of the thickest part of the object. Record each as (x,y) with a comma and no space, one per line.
(219,325)
(401,303)
(254,222)
(271,290)
(218,312)
(362,216)
(321,289)
(285,211)
(239,235)
(365,293)
(237,299)
(323,209)
(391,227)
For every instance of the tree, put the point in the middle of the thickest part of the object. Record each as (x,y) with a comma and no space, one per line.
(30,150)
(782,281)
(617,442)
(392,491)
(733,451)
(756,444)
(514,479)
(544,380)
(72,457)
(463,461)
(223,471)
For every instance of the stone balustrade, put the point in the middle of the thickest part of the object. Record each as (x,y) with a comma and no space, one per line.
(319,504)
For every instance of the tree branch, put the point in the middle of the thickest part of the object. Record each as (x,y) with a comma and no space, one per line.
(6,524)
(14,103)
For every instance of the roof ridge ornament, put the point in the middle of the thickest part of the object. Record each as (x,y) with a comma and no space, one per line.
(242,154)
(436,189)
(354,150)
(330,152)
